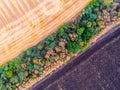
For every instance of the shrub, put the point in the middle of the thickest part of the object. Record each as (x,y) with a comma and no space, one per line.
(60,32)
(72,47)
(21,76)
(9,74)
(80,31)
(52,44)
(107,2)
(89,24)
(14,80)
(49,39)
(40,46)
(100,23)
(85,46)
(82,44)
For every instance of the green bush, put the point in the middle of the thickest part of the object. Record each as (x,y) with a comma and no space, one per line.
(40,46)
(9,74)
(80,31)
(52,44)
(14,80)
(73,47)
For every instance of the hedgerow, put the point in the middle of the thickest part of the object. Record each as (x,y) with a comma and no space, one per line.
(70,38)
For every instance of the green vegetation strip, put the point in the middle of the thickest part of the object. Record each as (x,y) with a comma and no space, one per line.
(69,39)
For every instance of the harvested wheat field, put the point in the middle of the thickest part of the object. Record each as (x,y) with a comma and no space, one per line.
(24,23)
